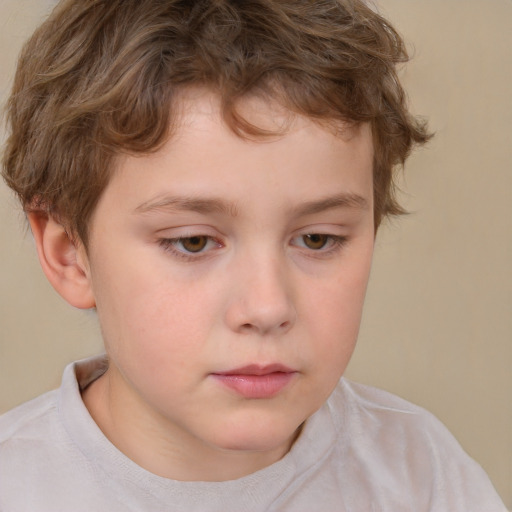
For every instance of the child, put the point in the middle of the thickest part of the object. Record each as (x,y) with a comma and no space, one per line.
(209,176)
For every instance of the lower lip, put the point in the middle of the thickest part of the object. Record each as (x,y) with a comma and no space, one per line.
(256,386)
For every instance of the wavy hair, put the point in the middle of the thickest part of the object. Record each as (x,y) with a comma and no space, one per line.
(101,77)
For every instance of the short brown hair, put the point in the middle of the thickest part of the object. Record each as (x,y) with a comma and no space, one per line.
(100,78)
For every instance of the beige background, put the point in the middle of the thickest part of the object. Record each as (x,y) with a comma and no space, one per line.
(438,323)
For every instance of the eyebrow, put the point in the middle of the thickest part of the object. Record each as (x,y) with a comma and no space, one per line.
(184,203)
(213,205)
(345,200)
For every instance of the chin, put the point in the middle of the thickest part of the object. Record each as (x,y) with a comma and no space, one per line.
(258,437)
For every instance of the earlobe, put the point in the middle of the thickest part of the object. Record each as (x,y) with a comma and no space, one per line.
(63,261)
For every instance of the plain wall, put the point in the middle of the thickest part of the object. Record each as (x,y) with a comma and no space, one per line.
(437,328)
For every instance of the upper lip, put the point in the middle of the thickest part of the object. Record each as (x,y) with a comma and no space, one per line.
(256,369)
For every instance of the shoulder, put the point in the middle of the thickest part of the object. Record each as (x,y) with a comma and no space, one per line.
(372,411)
(27,419)
(361,404)
(372,415)
(41,467)
(28,436)
(389,420)
(41,420)
(407,450)
(368,397)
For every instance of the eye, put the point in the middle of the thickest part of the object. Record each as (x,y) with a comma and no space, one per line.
(320,242)
(189,245)
(193,243)
(315,241)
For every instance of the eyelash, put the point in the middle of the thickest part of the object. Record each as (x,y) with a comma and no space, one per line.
(169,245)
(335,243)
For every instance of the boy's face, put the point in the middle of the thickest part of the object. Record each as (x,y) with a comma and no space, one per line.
(229,277)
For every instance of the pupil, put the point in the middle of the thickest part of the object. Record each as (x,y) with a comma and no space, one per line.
(315,241)
(194,243)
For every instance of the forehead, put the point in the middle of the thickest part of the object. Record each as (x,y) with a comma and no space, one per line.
(265,114)
(203,155)
(199,119)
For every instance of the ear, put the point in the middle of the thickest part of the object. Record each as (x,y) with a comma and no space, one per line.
(63,260)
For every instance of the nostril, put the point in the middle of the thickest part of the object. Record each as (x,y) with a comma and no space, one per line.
(253,328)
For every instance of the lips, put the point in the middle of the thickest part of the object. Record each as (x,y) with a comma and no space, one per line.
(255,381)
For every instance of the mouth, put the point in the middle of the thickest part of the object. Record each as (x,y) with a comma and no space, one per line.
(255,381)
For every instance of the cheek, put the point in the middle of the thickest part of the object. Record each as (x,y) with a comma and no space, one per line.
(335,315)
(147,313)
(155,334)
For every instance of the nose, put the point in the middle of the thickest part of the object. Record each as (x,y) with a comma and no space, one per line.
(262,299)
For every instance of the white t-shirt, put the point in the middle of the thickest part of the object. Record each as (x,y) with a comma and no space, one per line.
(364,451)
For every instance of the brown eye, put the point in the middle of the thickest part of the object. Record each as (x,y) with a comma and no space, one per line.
(194,243)
(315,241)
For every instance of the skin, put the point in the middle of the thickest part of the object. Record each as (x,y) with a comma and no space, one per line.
(260,289)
